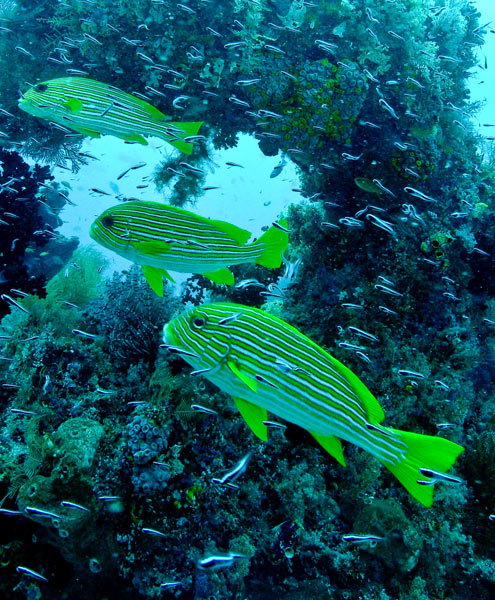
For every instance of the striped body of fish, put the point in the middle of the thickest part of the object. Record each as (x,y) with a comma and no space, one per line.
(93,108)
(160,237)
(268,365)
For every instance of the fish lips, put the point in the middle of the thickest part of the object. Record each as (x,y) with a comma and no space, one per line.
(93,231)
(27,106)
(96,232)
(169,336)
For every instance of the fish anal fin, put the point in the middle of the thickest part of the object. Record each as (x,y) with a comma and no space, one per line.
(167,275)
(133,137)
(220,276)
(332,445)
(84,130)
(254,416)
(249,381)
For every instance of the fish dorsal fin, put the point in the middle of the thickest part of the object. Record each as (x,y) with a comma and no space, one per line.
(237,234)
(249,381)
(153,248)
(153,112)
(182,130)
(155,277)
(74,105)
(332,445)
(254,416)
(186,128)
(370,404)
(220,276)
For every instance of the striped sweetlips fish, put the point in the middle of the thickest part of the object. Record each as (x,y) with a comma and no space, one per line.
(93,108)
(160,237)
(268,365)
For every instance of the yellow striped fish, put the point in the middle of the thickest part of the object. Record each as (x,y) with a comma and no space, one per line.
(160,237)
(268,365)
(93,108)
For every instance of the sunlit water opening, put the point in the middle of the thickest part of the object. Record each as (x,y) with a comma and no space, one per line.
(247,195)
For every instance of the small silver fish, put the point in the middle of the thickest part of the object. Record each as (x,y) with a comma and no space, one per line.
(219,561)
(278,169)
(30,573)
(235,472)
(361,539)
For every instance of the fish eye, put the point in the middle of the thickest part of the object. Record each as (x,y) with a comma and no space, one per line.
(108,221)
(41,87)
(198,322)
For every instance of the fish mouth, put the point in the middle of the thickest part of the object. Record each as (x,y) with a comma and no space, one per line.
(25,105)
(93,231)
(96,232)
(169,336)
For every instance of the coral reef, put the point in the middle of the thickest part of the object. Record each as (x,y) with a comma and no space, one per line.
(30,249)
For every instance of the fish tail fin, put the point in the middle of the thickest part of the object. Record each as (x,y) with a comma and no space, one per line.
(275,241)
(188,128)
(425,452)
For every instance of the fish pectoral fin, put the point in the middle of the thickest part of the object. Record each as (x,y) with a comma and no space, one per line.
(151,248)
(155,277)
(249,381)
(85,130)
(254,416)
(74,105)
(332,445)
(220,276)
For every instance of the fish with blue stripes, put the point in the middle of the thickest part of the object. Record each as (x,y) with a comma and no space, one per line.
(267,365)
(160,238)
(94,108)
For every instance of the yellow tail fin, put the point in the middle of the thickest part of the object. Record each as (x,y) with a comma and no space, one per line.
(423,452)
(275,240)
